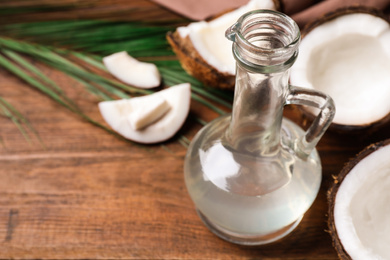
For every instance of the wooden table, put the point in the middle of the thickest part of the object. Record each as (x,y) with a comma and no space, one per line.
(83,193)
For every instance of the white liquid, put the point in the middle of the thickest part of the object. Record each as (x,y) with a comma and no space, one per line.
(233,211)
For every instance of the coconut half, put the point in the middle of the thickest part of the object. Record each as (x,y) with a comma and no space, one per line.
(149,119)
(203,50)
(359,209)
(347,56)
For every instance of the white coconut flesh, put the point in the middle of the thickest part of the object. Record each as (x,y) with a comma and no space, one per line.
(362,208)
(146,110)
(208,38)
(149,119)
(132,71)
(349,59)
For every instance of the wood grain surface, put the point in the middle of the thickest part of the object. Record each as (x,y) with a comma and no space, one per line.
(81,193)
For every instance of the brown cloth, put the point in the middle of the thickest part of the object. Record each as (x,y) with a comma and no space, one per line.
(302,11)
(200,9)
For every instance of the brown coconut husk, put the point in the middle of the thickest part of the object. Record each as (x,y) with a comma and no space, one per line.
(340,12)
(196,66)
(351,129)
(332,192)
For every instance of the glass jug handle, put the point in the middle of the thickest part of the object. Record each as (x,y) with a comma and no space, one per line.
(316,99)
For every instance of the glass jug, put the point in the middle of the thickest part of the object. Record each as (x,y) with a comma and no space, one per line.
(253,174)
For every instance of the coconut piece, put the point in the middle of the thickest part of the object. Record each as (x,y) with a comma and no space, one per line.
(146,110)
(156,127)
(359,205)
(131,71)
(346,55)
(203,50)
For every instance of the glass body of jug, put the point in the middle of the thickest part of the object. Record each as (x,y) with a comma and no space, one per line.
(253,174)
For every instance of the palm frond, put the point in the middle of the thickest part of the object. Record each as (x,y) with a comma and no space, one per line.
(76,48)
(11,67)
(103,37)
(92,36)
(9,111)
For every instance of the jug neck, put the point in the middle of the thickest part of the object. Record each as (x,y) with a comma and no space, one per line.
(265,46)
(258,111)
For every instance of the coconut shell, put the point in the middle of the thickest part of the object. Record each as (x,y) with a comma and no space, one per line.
(349,129)
(332,192)
(340,12)
(359,129)
(196,66)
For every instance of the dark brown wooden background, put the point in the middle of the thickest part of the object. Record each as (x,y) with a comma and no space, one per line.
(82,193)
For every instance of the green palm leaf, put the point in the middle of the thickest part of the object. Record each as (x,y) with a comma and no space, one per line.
(76,48)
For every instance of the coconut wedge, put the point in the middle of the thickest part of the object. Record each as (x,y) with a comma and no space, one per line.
(359,209)
(131,71)
(346,55)
(149,119)
(203,50)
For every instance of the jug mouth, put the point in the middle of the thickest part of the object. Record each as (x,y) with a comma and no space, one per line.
(265,38)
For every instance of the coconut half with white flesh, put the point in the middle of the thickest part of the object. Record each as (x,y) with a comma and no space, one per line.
(203,50)
(359,205)
(149,119)
(346,55)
